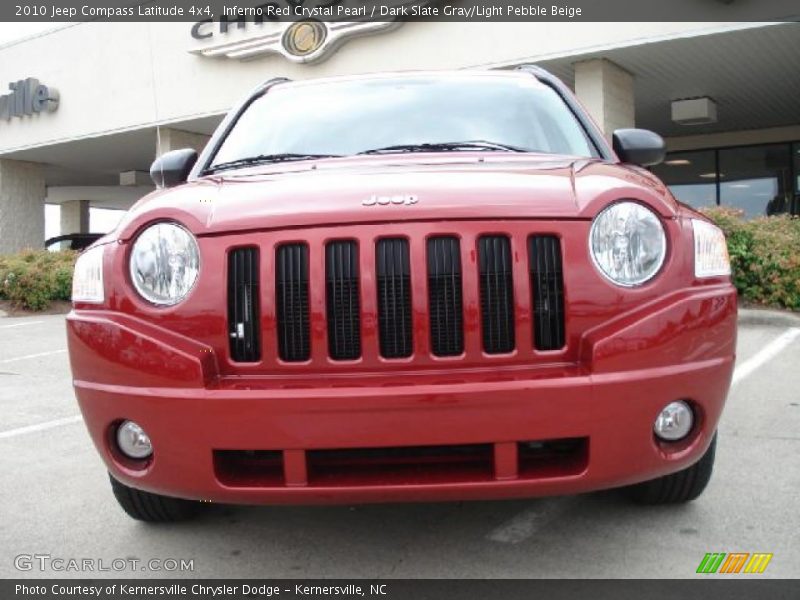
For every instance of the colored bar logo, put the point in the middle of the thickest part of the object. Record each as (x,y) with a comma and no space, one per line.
(734,562)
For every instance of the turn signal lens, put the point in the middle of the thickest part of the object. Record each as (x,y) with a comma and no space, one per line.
(710,250)
(87,280)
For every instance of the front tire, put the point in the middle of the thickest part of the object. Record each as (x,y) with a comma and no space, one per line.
(677,488)
(152,508)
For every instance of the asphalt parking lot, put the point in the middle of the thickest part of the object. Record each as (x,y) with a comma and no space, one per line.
(55,498)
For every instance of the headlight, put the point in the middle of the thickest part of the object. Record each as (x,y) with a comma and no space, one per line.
(165,262)
(627,243)
(710,250)
(87,280)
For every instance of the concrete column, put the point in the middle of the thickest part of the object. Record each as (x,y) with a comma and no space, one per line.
(75,217)
(175,139)
(606,90)
(22,193)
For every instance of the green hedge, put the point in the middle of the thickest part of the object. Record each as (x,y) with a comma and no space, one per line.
(765,256)
(33,279)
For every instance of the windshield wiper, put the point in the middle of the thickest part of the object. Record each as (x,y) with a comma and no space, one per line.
(264,159)
(446,147)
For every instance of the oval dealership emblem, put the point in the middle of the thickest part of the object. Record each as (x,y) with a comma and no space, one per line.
(305,37)
(399,199)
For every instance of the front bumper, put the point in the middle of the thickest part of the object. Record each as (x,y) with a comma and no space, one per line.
(681,347)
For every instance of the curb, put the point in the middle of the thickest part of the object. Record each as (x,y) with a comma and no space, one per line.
(769,318)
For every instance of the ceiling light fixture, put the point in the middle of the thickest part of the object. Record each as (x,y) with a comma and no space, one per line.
(694,111)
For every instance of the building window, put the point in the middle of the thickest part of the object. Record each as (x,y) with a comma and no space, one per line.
(691,176)
(759,180)
(756,179)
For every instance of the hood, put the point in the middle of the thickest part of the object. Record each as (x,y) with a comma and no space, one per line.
(399,188)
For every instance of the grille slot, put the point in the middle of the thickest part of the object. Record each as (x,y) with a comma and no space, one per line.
(497,294)
(342,301)
(394,297)
(547,287)
(243,305)
(291,287)
(445,296)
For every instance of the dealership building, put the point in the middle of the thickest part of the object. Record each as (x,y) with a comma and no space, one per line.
(89,105)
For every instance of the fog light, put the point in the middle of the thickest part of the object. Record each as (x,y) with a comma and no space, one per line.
(133,441)
(674,422)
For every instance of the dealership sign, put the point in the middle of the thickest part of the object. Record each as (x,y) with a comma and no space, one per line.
(27,97)
(300,31)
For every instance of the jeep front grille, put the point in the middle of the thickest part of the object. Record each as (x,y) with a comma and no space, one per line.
(369,297)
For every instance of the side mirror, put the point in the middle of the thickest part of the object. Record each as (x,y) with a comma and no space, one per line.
(639,146)
(172,168)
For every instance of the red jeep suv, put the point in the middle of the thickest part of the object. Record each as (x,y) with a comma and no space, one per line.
(405,287)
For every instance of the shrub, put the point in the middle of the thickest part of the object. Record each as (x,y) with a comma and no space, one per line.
(33,279)
(765,256)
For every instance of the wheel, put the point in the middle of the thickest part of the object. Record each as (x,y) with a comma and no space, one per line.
(153,508)
(679,487)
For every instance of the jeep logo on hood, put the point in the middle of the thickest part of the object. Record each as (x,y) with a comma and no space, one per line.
(405,199)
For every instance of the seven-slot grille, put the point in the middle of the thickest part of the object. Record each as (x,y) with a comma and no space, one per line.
(390,272)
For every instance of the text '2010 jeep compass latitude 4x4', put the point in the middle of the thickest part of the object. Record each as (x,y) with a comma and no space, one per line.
(424,286)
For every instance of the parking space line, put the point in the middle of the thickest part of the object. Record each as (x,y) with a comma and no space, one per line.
(20,324)
(525,524)
(39,427)
(27,356)
(764,355)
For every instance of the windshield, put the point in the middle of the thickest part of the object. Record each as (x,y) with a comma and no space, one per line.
(342,118)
